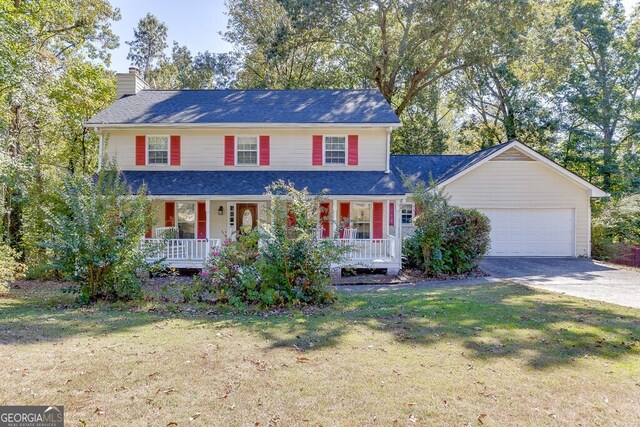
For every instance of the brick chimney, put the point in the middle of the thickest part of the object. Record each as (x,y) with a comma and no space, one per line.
(129,83)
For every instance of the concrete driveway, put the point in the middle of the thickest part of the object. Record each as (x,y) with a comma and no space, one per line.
(572,276)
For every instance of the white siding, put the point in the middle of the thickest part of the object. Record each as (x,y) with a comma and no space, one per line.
(523,184)
(290,149)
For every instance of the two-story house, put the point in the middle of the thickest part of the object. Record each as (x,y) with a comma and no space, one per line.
(206,157)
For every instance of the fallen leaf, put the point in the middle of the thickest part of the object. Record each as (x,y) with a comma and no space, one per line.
(303,359)
(194,416)
(411,404)
(172,423)
(99,411)
(480,417)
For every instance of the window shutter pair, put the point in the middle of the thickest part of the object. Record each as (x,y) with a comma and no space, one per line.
(170,219)
(352,150)
(377,217)
(141,150)
(264,156)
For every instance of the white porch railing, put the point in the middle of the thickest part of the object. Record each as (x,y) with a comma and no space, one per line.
(370,249)
(178,249)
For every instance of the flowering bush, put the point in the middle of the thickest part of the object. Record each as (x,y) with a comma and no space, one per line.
(230,274)
(290,266)
(295,262)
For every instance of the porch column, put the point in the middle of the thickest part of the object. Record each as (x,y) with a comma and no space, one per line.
(208,211)
(387,205)
(398,225)
(334,216)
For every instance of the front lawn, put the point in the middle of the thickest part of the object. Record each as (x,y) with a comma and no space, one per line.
(496,354)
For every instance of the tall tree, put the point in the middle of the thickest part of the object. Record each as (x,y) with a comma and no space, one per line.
(39,41)
(601,92)
(148,44)
(286,43)
(205,70)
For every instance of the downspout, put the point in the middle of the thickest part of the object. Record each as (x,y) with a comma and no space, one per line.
(100,150)
(388,168)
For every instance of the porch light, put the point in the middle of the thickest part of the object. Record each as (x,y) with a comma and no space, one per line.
(220,210)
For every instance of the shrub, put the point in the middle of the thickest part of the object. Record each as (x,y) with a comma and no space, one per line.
(448,239)
(94,233)
(230,273)
(283,263)
(616,226)
(294,262)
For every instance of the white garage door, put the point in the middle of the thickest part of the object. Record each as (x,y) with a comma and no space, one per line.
(531,232)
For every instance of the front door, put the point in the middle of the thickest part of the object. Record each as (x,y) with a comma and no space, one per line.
(246,217)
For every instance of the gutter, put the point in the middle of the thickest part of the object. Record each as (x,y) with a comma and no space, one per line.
(241,125)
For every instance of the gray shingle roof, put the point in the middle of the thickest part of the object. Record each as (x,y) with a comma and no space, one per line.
(366,106)
(338,183)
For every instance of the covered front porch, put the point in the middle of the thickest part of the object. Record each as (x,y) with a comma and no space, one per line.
(186,230)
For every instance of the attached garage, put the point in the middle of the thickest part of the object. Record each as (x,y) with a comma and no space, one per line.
(536,207)
(532,232)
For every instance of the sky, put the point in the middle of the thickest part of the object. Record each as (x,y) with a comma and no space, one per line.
(194,23)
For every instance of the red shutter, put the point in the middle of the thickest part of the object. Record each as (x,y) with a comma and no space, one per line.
(175,150)
(170,214)
(291,217)
(202,220)
(353,150)
(392,214)
(345,213)
(317,150)
(378,220)
(264,150)
(141,150)
(325,215)
(229,150)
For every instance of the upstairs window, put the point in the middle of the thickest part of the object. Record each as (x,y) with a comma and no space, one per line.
(247,151)
(406,212)
(334,150)
(158,150)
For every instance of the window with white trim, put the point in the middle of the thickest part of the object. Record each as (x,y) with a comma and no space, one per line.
(335,150)
(186,220)
(247,150)
(158,150)
(407,214)
(361,219)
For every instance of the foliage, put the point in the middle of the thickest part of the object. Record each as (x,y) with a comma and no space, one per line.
(294,261)
(616,223)
(94,235)
(602,88)
(53,77)
(230,273)
(10,268)
(148,44)
(448,239)
(290,265)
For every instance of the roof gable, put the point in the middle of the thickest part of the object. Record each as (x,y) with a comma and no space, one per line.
(479,158)
(225,107)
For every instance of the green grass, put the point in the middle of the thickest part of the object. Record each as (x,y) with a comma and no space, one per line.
(496,354)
